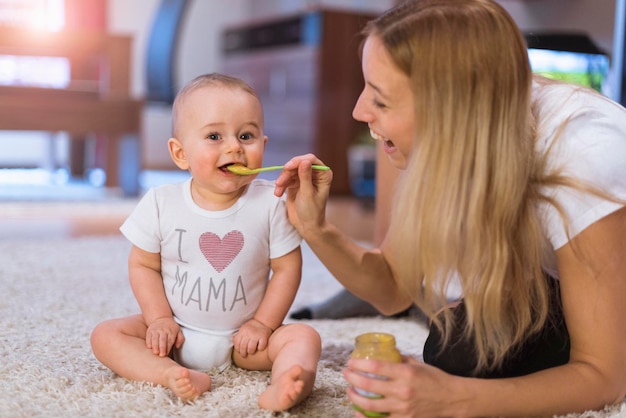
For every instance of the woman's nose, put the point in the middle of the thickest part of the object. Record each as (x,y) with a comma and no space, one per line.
(360,112)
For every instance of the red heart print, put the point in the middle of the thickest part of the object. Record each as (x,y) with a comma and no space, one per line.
(221,252)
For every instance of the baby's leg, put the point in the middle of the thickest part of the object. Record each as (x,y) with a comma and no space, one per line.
(120,345)
(293,353)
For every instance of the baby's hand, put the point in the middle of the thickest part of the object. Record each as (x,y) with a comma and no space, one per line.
(253,336)
(162,334)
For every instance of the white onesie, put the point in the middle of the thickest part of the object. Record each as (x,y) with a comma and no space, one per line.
(215,264)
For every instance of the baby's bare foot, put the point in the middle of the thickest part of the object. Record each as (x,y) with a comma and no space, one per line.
(285,392)
(188,384)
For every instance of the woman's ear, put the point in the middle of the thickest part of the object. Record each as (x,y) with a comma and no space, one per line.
(177,153)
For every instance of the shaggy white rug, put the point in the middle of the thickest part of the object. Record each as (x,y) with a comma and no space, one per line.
(53,292)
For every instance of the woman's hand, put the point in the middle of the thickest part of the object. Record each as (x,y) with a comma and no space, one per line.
(307,192)
(162,334)
(411,389)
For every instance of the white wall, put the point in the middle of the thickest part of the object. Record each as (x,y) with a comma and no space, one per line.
(205,20)
(199,37)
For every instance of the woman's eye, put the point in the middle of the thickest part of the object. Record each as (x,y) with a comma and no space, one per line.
(380,105)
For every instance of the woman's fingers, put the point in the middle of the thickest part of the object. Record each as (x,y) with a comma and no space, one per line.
(290,177)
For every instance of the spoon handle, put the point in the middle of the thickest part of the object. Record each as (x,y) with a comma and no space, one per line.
(280,167)
(320,167)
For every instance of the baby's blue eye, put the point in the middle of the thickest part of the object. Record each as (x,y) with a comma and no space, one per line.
(213,137)
(245,137)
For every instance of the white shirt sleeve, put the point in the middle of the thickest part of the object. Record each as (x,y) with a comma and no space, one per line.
(140,227)
(592,149)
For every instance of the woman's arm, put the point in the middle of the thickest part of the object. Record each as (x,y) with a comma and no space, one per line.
(364,272)
(592,271)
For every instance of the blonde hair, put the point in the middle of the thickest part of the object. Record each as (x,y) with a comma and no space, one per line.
(472,182)
(204,80)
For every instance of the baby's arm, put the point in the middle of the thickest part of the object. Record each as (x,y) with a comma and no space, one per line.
(254,334)
(144,269)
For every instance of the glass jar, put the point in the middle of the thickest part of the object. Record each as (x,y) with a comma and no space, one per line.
(375,346)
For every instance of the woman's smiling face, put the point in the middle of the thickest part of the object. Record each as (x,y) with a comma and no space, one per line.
(386,103)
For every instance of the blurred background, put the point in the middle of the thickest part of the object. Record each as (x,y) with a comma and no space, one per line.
(86,86)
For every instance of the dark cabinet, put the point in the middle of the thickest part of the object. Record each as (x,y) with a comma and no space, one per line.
(307,72)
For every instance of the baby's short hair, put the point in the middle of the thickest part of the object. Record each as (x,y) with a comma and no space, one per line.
(210,79)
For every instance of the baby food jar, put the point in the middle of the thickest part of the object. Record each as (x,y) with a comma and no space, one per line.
(375,346)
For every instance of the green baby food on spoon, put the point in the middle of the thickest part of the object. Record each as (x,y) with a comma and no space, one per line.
(242,170)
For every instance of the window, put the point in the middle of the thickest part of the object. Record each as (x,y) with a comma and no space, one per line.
(33,14)
(36,15)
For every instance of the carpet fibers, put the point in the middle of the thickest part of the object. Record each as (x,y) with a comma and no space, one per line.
(55,291)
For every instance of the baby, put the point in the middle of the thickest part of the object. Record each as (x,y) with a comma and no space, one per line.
(215,263)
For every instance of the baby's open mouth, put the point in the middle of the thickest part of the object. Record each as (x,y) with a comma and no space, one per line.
(224,168)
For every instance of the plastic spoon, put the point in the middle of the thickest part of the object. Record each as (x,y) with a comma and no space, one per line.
(242,170)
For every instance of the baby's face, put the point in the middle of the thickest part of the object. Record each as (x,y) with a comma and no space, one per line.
(218,126)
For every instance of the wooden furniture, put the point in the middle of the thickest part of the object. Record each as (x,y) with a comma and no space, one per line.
(96,101)
(307,72)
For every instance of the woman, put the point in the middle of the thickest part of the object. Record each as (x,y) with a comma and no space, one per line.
(512,189)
